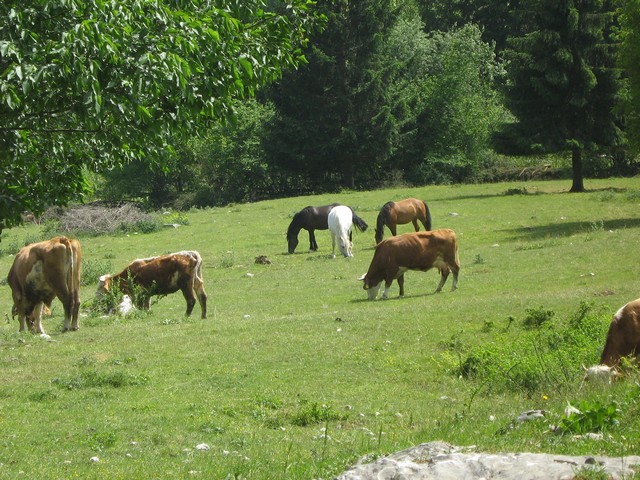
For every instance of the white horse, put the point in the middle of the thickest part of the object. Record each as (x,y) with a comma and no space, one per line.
(340,222)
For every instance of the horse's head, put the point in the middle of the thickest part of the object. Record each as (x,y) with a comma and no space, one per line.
(292,242)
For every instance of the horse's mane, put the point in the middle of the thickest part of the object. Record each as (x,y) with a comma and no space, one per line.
(295,225)
(382,218)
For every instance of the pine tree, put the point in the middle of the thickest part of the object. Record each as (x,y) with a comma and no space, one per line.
(630,60)
(333,119)
(563,83)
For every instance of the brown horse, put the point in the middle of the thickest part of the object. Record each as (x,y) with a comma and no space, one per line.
(401,212)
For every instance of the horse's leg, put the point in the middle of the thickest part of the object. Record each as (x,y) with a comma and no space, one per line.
(333,245)
(415,225)
(392,227)
(313,246)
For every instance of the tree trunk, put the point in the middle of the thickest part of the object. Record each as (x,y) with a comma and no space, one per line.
(349,175)
(576,166)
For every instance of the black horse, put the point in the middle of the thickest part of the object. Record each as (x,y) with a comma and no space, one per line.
(315,218)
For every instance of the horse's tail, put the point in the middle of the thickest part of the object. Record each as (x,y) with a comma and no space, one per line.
(382,216)
(427,216)
(359,223)
(382,220)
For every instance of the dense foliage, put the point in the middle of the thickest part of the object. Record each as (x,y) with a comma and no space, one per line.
(384,93)
(96,84)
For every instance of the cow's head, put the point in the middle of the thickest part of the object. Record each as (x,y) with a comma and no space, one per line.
(104,284)
(372,290)
(600,373)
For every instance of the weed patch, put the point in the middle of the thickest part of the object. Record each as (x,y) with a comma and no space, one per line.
(536,354)
(92,378)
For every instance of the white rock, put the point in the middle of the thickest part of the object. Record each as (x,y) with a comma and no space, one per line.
(531,415)
(203,447)
(95,459)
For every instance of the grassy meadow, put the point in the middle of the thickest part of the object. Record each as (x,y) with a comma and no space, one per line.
(294,374)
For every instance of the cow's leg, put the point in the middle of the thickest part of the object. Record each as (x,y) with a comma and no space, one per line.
(401,284)
(190,298)
(387,287)
(22,318)
(75,310)
(202,297)
(444,273)
(67,304)
(313,245)
(455,269)
(36,318)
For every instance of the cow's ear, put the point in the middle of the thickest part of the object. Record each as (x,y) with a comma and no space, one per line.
(362,277)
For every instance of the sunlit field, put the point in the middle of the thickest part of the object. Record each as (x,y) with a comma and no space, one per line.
(294,374)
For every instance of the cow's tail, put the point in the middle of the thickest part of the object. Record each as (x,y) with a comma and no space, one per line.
(198,269)
(72,265)
(427,216)
(359,223)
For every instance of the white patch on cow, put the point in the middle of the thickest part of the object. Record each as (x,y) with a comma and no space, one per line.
(35,278)
(373,291)
(401,271)
(440,263)
(173,283)
(385,294)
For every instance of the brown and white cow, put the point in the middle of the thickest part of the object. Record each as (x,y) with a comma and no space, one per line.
(623,338)
(161,275)
(41,272)
(412,251)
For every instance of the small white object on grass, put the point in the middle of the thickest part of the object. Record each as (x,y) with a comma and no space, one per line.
(126,306)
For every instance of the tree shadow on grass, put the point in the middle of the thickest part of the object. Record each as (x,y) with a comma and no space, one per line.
(522,191)
(566,229)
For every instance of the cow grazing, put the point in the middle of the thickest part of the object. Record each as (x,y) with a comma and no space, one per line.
(161,275)
(412,251)
(41,272)
(623,338)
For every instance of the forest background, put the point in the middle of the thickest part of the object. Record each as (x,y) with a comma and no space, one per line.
(358,95)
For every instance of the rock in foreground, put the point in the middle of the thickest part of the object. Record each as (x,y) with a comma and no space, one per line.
(439,460)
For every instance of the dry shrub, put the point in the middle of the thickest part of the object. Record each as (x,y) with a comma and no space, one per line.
(98,219)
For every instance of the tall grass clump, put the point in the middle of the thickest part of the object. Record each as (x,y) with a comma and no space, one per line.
(538,353)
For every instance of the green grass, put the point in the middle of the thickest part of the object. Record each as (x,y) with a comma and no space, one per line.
(295,375)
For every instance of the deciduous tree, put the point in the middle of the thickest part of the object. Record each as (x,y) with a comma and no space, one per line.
(98,83)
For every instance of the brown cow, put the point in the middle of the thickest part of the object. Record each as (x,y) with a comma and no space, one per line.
(42,271)
(161,275)
(412,251)
(623,338)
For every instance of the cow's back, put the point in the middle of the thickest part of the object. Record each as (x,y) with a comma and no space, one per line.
(418,249)
(165,273)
